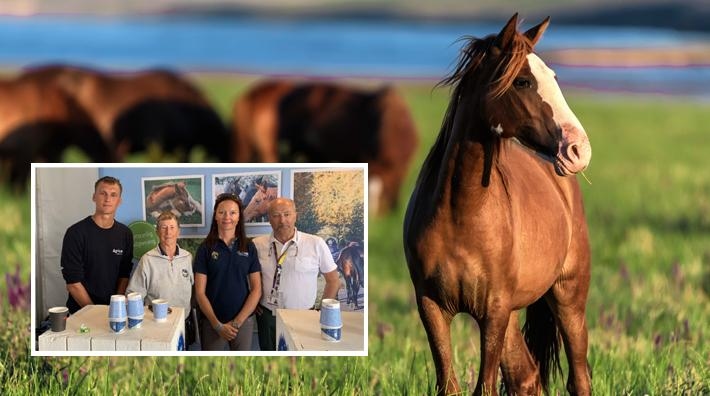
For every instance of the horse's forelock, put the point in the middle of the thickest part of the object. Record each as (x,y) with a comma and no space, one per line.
(499,75)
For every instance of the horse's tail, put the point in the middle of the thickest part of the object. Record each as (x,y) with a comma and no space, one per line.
(543,340)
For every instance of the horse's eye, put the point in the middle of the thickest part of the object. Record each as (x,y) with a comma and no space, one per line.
(521,83)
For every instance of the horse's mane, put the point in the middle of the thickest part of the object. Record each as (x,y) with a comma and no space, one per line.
(472,75)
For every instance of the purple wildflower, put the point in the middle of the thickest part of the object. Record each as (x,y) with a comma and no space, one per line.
(18,294)
(624,271)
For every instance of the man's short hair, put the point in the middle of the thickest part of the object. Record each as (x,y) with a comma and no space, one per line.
(109,180)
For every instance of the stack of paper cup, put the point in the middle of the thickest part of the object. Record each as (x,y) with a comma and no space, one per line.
(117,313)
(135,310)
(331,323)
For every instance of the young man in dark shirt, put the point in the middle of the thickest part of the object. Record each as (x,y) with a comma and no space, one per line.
(97,251)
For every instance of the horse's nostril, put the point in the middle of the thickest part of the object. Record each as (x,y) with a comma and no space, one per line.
(573,152)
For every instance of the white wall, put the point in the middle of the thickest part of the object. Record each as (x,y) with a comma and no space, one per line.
(63,197)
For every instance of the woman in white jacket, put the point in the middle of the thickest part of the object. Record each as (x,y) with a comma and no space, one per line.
(166,271)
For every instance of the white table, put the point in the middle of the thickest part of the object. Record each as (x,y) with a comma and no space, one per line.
(300,330)
(151,336)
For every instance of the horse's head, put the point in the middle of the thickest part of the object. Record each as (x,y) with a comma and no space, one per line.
(259,203)
(182,201)
(519,97)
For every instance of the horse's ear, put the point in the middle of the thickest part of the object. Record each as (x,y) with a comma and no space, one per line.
(505,37)
(535,32)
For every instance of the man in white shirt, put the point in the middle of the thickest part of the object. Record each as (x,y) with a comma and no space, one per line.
(290,263)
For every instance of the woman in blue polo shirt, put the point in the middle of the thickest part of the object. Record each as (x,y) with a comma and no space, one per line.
(227,279)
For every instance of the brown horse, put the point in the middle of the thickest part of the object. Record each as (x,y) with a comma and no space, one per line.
(350,264)
(137,111)
(284,121)
(259,203)
(37,123)
(492,227)
(171,196)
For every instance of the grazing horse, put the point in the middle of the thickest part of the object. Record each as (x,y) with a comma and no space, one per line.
(173,197)
(493,226)
(285,121)
(37,124)
(350,264)
(259,204)
(137,111)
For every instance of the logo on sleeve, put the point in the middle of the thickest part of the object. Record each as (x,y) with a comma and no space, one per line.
(118,252)
(185,274)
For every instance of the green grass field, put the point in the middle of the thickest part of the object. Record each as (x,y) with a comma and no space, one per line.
(648,308)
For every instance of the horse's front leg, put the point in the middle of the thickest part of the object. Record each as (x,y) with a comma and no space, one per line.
(493,327)
(573,325)
(520,373)
(437,324)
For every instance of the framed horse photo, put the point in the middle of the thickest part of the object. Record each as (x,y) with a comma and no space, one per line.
(256,190)
(182,195)
(331,204)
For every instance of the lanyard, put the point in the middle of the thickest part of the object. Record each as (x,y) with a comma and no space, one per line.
(279,263)
(282,257)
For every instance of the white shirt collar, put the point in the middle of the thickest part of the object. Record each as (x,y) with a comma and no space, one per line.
(294,239)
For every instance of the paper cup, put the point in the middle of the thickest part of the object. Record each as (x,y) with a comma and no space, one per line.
(135,323)
(160,309)
(117,307)
(331,333)
(58,318)
(135,305)
(117,325)
(330,313)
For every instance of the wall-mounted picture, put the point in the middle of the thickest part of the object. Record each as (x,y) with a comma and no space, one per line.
(331,204)
(182,195)
(255,189)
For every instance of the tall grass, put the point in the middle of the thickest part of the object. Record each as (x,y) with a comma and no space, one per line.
(648,309)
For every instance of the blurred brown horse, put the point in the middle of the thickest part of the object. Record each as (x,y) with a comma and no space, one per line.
(140,110)
(284,121)
(492,227)
(37,123)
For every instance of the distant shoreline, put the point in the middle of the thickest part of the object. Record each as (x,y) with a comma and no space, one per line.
(688,15)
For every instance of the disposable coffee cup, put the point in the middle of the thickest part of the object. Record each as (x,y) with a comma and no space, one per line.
(135,323)
(117,307)
(330,313)
(117,325)
(58,318)
(135,306)
(160,309)
(331,333)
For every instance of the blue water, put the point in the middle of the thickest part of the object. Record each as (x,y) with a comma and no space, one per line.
(382,49)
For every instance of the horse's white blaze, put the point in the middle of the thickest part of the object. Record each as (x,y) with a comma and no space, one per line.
(550,92)
(573,132)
